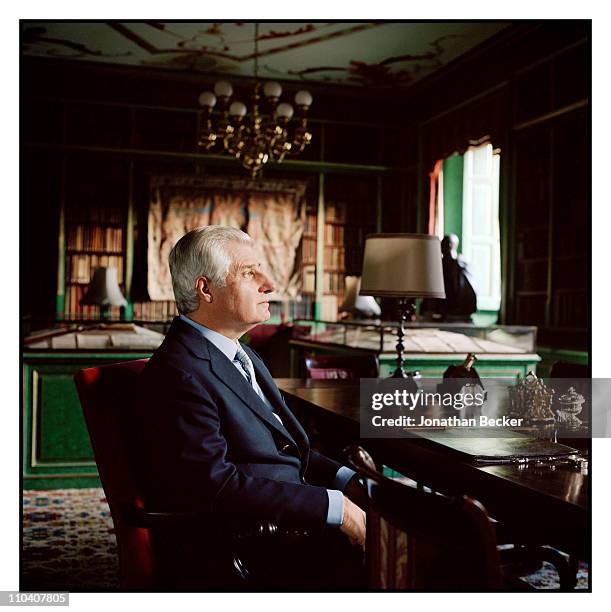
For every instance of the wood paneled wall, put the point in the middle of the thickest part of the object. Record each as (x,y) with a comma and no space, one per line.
(528,90)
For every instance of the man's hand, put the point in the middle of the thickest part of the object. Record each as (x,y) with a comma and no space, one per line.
(353,524)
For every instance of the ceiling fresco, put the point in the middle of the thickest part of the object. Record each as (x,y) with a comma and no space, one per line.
(375,54)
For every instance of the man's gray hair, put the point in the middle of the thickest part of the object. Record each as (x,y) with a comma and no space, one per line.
(202,252)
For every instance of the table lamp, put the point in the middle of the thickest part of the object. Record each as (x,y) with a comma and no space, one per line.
(104,291)
(402,266)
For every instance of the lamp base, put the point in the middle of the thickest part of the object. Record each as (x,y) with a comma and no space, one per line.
(406,310)
(412,386)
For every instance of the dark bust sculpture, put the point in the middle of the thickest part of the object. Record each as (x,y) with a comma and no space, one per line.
(461,300)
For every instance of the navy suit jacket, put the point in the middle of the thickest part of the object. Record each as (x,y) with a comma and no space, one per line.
(209,443)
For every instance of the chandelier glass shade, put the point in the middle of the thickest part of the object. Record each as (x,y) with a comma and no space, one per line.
(254,138)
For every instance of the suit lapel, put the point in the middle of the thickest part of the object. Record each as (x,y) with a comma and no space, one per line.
(229,376)
(227,373)
(270,389)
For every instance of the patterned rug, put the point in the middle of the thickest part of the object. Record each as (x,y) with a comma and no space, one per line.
(69,544)
(68,541)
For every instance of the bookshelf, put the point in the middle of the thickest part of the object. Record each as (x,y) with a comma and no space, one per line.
(551,250)
(309,244)
(350,214)
(95,203)
(98,230)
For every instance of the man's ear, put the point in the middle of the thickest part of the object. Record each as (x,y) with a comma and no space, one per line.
(202,286)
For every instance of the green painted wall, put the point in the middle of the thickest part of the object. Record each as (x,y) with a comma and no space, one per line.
(452,196)
(57,452)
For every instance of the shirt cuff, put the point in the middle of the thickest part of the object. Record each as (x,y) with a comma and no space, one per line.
(343,476)
(335,513)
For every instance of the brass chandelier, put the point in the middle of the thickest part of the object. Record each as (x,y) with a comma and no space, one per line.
(254,139)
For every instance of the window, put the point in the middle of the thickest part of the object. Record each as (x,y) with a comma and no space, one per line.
(480,224)
(466,203)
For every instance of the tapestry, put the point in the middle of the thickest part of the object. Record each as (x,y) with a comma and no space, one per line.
(272,212)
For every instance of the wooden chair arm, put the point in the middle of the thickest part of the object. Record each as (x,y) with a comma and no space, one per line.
(138,517)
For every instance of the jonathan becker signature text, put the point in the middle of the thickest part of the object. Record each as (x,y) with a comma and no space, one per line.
(453,421)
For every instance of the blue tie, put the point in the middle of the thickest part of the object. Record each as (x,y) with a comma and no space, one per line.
(249,372)
(244,360)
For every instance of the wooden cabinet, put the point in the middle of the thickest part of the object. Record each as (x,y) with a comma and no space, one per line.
(502,351)
(431,366)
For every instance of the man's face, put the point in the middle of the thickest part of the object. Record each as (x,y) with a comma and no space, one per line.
(245,298)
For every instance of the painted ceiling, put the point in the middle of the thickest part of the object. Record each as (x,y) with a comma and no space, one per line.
(378,54)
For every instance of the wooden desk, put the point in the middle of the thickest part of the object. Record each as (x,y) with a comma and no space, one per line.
(551,504)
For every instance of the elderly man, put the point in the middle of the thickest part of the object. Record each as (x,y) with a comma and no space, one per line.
(217,436)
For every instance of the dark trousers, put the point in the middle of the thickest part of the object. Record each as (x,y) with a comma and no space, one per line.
(323,562)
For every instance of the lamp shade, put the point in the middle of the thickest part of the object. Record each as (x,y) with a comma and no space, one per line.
(402,265)
(223,89)
(103,289)
(285,110)
(271,89)
(207,98)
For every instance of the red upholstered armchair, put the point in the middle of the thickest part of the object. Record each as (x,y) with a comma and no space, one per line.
(106,394)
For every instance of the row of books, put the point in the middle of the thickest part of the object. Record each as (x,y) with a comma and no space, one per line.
(79,268)
(334,234)
(308,250)
(163,310)
(73,309)
(333,282)
(83,237)
(309,227)
(304,309)
(335,257)
(91,312)
(291,310)
(308,278)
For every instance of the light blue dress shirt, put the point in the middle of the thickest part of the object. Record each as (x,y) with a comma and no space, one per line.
(229,348)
